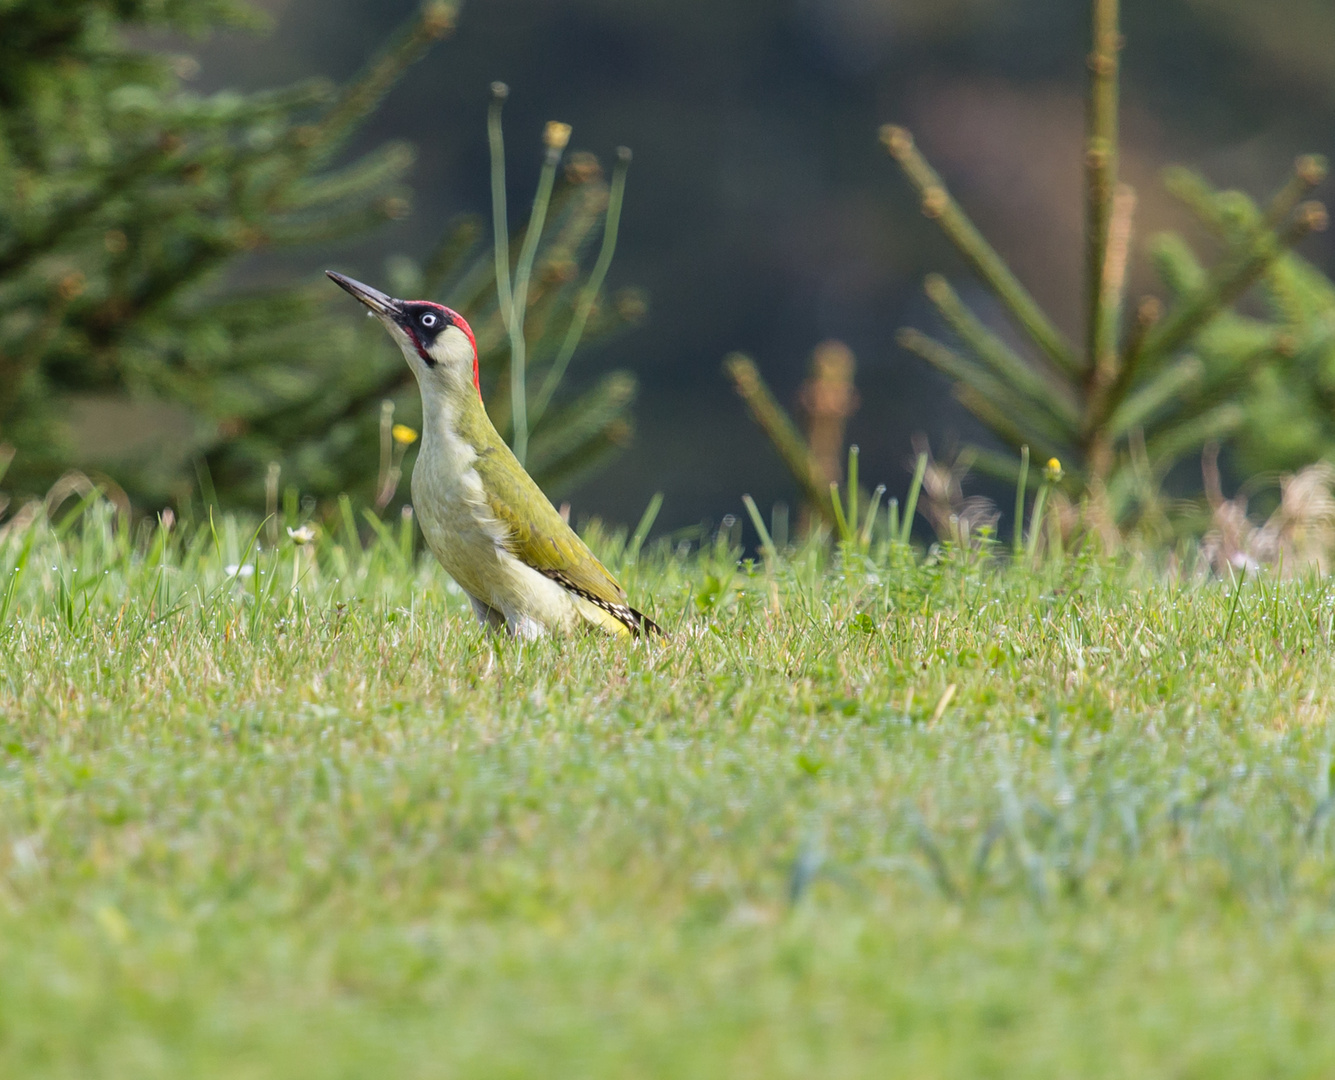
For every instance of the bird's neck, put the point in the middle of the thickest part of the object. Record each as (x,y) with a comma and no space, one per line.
(454,421)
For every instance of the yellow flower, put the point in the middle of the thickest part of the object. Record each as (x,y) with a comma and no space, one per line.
(1054,470)
(403,434)
(556,135)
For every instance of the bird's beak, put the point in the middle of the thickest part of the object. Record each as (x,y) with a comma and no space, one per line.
(378,302)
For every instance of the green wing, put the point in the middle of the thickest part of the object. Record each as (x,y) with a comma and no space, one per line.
(537,535)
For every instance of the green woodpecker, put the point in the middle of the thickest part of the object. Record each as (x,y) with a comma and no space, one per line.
(483,517)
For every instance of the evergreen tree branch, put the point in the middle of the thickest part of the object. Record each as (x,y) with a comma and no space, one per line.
(1101,186)
(1025,415)
(783,434)
(1225,284)
(322,140)
(1049,390)
(938,205)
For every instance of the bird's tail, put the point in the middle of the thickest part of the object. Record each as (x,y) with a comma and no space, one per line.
(645,626)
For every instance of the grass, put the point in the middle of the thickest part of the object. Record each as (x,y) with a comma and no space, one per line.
(872,816)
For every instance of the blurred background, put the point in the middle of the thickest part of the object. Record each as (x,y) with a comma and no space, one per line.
(761,213)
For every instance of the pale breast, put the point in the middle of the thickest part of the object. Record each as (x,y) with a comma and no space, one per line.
(456,522)
(469,542)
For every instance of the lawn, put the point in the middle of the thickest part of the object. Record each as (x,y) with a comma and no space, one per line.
(898,815)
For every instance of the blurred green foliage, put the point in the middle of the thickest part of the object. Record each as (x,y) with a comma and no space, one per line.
(1281,358)
(124,197)
(132,212)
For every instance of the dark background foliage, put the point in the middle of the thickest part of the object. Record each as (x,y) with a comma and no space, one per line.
(763,215)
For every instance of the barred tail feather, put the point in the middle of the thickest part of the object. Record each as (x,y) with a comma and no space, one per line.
(643,625)
(633,622)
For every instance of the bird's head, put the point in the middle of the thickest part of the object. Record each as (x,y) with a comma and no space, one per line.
(437,342)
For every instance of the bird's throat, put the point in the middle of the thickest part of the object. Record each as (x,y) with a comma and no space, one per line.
(455,432)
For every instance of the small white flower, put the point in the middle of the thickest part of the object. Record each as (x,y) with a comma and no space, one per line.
(303,535)
(233,570)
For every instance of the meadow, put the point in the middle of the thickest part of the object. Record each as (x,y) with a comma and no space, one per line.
(289,813)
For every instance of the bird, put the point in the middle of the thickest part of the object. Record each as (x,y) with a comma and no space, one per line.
(525,570)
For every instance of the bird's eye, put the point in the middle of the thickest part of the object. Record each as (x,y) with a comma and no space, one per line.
(428,319)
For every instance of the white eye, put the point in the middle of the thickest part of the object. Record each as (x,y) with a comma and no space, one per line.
(428,320)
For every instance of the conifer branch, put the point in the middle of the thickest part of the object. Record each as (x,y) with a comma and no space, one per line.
(782,432)
(938,204)
(1050,390)
(986,387)
(320,141)
(1309,172)
(1225,284)
(1101,183)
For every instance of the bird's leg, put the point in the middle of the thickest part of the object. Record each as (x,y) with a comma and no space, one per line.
(526,629)
(487,615)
